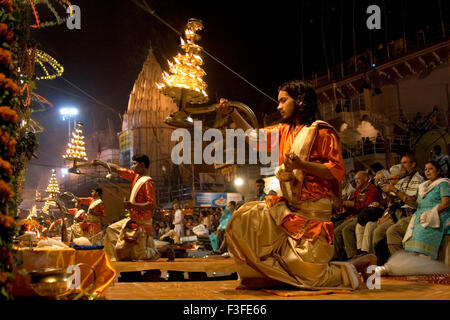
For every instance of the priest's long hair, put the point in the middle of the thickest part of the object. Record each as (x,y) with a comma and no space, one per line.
(308,111)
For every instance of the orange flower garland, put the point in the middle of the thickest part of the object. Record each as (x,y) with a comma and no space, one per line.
(3,277)
(9,84)
(5,168)
(6,221)
(6,192)
(11,148)
(8,4)
(11,54)
(6,33)
(5,56)
(5,256)
(4,137)
(8,115)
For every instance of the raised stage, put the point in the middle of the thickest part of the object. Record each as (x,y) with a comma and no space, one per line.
(226,290)
(400,288)
(206,264)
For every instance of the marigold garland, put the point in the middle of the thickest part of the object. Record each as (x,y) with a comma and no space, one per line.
(11,148)
(6,33)
(7,4)
(8,115)
(6,221)
(17,143)
(9,119)
(4,137)
(6,192)
(5,56)
(9,84)
(3,277)
(5,168)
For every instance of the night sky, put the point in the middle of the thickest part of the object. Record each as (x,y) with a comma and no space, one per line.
(262,41)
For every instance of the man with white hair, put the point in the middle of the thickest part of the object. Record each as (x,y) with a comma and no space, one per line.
(367,220)
(344,234)
(398,210)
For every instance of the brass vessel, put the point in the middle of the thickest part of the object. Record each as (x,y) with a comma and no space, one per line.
(54,282)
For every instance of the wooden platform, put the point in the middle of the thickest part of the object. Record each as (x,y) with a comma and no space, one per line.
(209,264)
(226,290)
(391,289)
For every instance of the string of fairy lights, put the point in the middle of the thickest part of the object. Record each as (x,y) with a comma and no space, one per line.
(43,58)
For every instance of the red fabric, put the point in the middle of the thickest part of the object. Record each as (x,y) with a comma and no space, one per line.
(91,227)
(146,194)
(299,227)
(98,210)
(72,211)
(372,195)
(325,150)
(272,201)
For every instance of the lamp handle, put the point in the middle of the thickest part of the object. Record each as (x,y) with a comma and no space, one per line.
(239,105)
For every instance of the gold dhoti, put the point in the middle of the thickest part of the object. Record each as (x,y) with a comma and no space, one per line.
(74,231)
(263,249)
(144,249)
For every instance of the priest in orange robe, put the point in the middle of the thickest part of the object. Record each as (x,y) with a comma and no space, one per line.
(92,226)
(288,239)
(131,238)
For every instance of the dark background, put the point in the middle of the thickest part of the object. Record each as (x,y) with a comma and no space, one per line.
(263,41)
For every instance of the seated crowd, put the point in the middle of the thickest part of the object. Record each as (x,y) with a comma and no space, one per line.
(399,209)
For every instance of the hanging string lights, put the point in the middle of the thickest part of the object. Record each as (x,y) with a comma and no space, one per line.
(64,4)
(42,59)
(185,70)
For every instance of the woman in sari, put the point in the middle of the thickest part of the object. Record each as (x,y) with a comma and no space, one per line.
(432,218)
